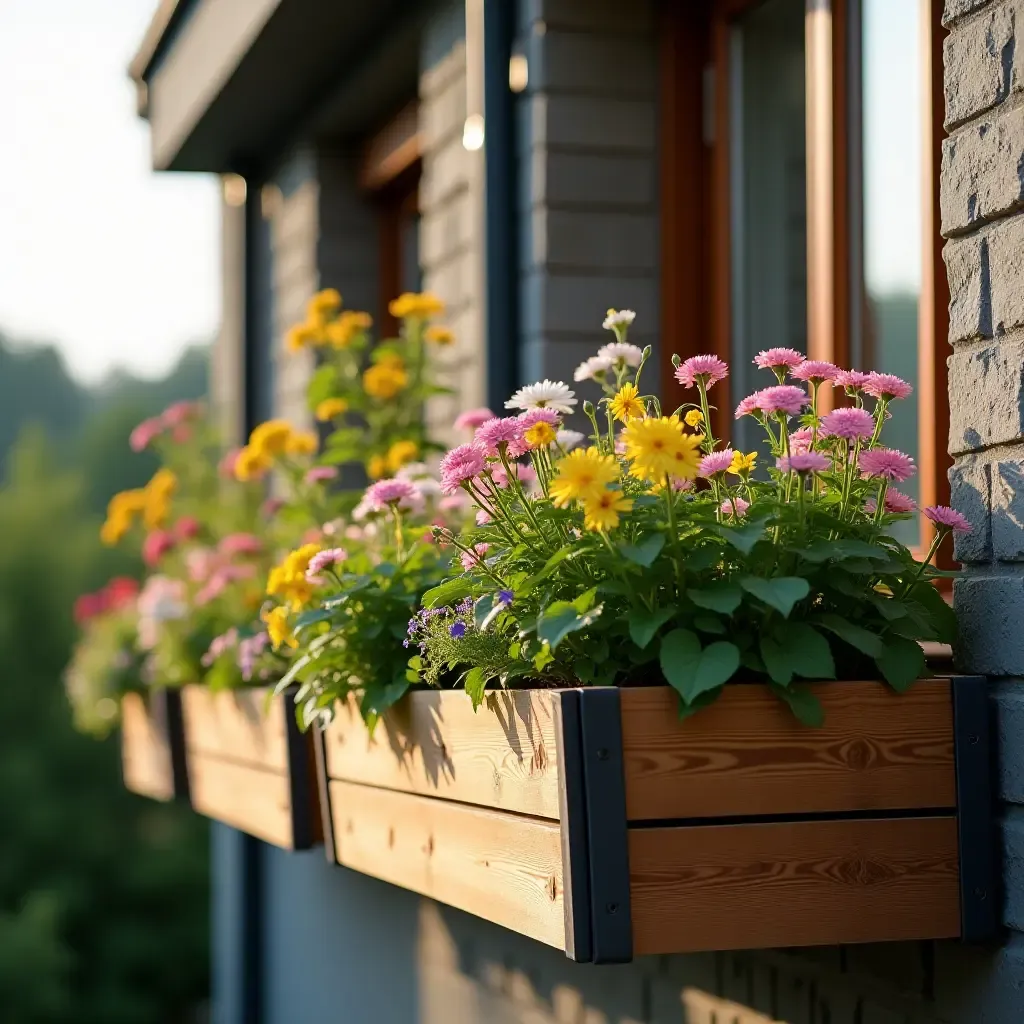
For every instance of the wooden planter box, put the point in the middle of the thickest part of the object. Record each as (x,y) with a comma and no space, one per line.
(595,821)
(250,767)
(153,745)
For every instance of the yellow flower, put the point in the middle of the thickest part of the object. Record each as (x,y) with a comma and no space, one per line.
(743,464)
(540,435)
(300,336)
(583,474)
(322,306)
(278,629)
(626,405)
(164,483)
(250,464)
(400,453)
(377,467)
(694,418)
(270,438)
(330,408)
(288,579)
(385,379)
(440,335)
(658,447)
(601,512)
(302,442)
(415,304)
(115,527)
(157,498)
(343,331)
(126,503)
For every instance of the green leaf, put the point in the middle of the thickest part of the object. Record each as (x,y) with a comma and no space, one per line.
(378,699)
(718,664)
(646,551)
(719,597)
(706,698)
(475,681)
(939,611)
(312,616)
(888,607)
(450,590)
(901,662)
(802,703)
(543,658)
(781,592)
(560,619)
(709,624)
(585,601)
(322,384)
(856,636)
(825,550)
(742,538)
(679,655)
(564,552)
(776,661)
(800,650)
(644,624)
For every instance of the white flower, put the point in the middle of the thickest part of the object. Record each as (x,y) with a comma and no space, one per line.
(631,355)
(592,366)
(413,471)
(546,394)
(617,318)
(569,439)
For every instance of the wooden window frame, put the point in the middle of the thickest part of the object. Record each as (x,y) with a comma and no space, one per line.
(696,207)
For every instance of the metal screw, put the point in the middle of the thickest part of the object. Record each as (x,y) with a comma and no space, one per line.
(612,908)
(602,753)
(975,739)
(981,894)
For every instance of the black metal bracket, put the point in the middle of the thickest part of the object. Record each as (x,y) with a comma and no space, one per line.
(165,707)
(301,776)
(980,898)
(595,846)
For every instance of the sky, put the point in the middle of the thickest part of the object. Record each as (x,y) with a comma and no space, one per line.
(115,265)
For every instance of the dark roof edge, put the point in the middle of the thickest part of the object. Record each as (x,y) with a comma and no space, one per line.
(165,17)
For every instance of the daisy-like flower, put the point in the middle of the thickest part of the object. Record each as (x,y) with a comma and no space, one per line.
(626,404)
(460,465)
(778,359)
(659,447)
(582,474)
(569,439)
(947,518)
(743,464)
(800,441)
(706,368)
(783,398)
(716,463)
(735,507)
(601,512)
(895,502)
(618,318)
(590,368)
(546,394)
(748,406)
(852,380)
(693,418)
(324,560)
(851,424)
(534,416)
(817,371)
(540,435)
(320,474)
(473,418)
(386,493)
(887,463)
(474,557)
(621,352)
(503,433)
(887,385)
(808,462)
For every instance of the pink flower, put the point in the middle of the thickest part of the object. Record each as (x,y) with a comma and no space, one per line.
(800,441)
(851,424)
(503,433)
(947,518)
(895,501)
(157,544)
(474,557)
(453,502)
(749,405)
(524,474)
(179,412)
(778,359)
(852,380)
(680,484)
(219,646)
(715,463)
(271,507)
(815,370)
(806,462)
(473,418)
(143,435)
(200,563)
(887,385)
(887,463)
(460,465)
(542,415)
(240,544)
(482,517)
(386,493)
(186,528)
(226,466)
(709,369)
(735,507)
(181,433)
(320,474)
(323,560)
(784,398)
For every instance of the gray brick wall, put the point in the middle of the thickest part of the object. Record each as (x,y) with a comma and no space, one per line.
(227,359)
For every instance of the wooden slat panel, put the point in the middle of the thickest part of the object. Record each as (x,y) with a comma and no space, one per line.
(501,867)
(145,751)
(746,754)
(502,756)
(234,724)
(242,796)
(793,884)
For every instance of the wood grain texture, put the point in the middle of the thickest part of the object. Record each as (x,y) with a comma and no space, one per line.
(235,724)
(145,751)
(747,755)
(793,884)
(502,867)
(251,799)
(502,756)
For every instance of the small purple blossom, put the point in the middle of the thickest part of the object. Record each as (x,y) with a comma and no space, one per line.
(851,424)
(947,518)
(808,462)
(707,368)
(783,398)
(457,630)
(715,463)
(778,359)
(505,597)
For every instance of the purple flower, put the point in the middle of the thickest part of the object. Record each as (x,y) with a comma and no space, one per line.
(460,465)
(888,463)
(895,502)
(505,597)
(472,418)
(778,359)
(851,424)
(808,462)
(709,369)
(503,433)
(735,507)
(852,380)
(800,441)
(784,398)
(817,370)
(715,463)
(320,474)
(457,630)
(887,385)
(947,518)
(749,405)
(322,560)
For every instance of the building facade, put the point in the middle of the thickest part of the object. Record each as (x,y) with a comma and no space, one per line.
(843,176)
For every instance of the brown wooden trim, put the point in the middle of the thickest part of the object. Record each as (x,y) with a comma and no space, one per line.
(393,150)
(841,218)
(757,886)
(146,761)
(238,725)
